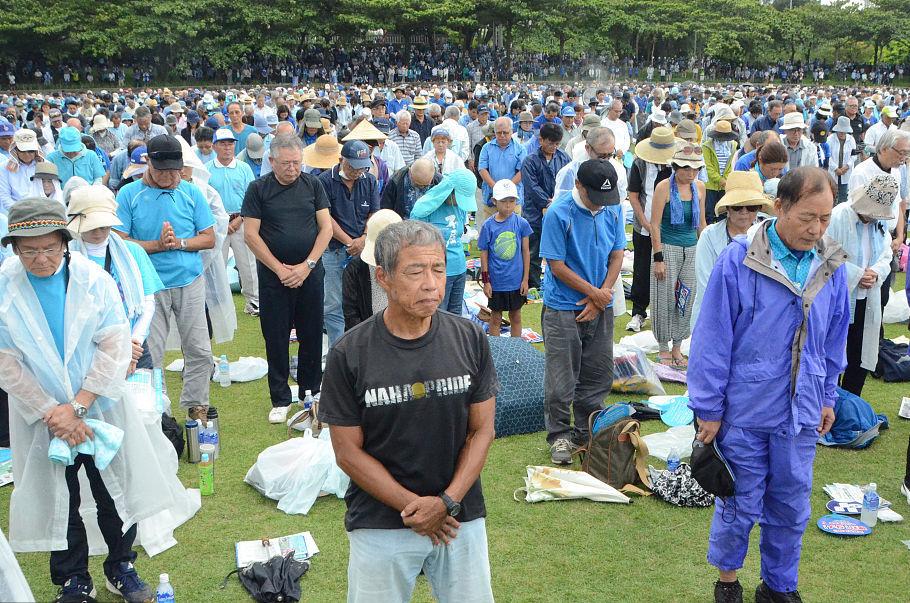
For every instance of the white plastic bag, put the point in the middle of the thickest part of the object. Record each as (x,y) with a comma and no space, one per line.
(13,586)
(897,309)
(337,481)
(246,368)
(295,472)
(644,340)
(660,444)
(551,483)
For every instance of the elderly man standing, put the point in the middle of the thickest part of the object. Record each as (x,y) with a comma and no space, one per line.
(776,332)
(143,129)
(408,185)
(460,139)
(16,175)
(621,136)
(583,241)
(171,219)
(800,151)
(73,159)
(538,174)
(64,353)
(288,227)
(421,123)
(353,194)
(500,159)
(408,140)
(240,129)
(412,427)
(231,177)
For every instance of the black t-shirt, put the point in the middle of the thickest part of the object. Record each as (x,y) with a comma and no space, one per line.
(287,214)
(411,398)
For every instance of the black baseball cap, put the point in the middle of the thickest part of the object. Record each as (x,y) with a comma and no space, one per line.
(599,178)
(165,153)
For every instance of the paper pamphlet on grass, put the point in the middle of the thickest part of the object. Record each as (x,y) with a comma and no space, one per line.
(251,551)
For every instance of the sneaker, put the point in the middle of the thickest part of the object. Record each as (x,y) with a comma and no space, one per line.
(728,592)
(764,594)
(127,583)
(76,590)
(278,414)
(905,490)
(635,324)
(251,310)
(561,452)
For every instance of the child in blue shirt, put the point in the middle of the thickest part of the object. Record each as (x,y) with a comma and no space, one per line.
(504,269)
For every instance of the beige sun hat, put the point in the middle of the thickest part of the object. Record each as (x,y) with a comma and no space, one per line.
(658,147)
(100,122)
(324,153)
(743,189)
(376,224)
(687,154)
(92,207)
(874,199)
(365,130)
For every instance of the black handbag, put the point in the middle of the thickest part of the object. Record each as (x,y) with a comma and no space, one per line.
(710,469)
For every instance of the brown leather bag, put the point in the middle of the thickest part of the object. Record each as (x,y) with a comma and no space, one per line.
(616,456)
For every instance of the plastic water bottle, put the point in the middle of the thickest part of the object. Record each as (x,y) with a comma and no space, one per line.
(165,592)
(673,460)
(212,437)
(308,400)
(206,476)
(869,514)
(224,371)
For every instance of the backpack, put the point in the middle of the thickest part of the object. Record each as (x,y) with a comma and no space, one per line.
(616,456)
(173,432)
(893,362)
(855,425)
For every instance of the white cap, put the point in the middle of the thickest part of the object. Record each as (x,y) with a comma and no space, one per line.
(210,424)
(309,392)
(504,189)
(164,578)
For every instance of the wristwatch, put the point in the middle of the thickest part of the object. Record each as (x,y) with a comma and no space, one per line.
(81,411)
(311,264)
(182,244)
(452,508)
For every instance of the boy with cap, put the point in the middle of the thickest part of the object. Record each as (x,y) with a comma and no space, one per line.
(505,269)
(583,241)
(171,219)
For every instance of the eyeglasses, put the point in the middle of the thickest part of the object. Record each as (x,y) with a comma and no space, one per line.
(752,208)
(902,152)
(289,164)
(603,155)
(689,150)
(31,254)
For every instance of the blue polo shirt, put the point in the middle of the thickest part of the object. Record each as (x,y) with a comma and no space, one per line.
(795,263)
(143,210)
(231,182)
(584,241)
(350,208)
(502,165)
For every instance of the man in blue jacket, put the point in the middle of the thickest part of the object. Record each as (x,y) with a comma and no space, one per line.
(764,368)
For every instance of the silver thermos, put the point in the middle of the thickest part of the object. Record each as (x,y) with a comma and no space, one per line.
(192,441)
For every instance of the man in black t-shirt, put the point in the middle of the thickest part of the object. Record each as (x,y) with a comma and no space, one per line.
(410,398)
(288,226)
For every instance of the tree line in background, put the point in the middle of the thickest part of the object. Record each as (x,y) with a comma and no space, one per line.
(740,31)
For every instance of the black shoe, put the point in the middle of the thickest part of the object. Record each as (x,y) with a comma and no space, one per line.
(76,590)
(728,592)
(764,594)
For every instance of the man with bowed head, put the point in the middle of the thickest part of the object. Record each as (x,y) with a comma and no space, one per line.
(777,333)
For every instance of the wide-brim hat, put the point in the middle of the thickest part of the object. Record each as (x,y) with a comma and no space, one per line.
(824,110)
(46,170)
(35,217)
(312,118)
(792,121)
(324,153)
(658,148)
(722,131)
(375,225)
(420,103)
(365,130)
(92,207)
(100,122)
(743,188)
(687,128)
(874,199)
(843,125)
(692,159)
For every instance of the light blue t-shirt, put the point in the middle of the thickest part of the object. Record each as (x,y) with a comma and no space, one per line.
(502,242)
(143,210)
(151,282)
(51,293)
(241,138)
(231,182)
(582,240)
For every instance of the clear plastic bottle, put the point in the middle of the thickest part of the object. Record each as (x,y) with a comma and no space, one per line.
(212,437)
(165,592)
(308,400)
(673,460)
(869,514)
(206,476)
(224,371)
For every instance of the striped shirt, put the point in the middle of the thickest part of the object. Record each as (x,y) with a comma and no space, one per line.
(408,144)
(723,152)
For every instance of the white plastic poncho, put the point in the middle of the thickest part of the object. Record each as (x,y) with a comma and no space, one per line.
(97,353)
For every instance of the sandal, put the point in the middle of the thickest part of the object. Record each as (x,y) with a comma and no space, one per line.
(680,363)
(665,358)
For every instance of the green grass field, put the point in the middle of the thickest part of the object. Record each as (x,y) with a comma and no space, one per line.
(560,551)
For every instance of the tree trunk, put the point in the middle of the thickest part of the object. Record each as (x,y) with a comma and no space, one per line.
(653,44)
(637,40)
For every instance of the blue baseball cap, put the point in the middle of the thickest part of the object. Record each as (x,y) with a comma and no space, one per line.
(192,117)
(70,140)
(7,129)
(568,112)
(357,153)
(383,125)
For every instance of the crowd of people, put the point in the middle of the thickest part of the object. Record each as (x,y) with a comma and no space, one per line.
(345,210)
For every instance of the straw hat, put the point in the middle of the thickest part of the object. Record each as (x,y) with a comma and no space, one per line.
(324,153)
(874,199)
(657,148)
(92,207)
(365,130)
(687,155)
(375,225)
(420,103)
(722,131)
(743,188)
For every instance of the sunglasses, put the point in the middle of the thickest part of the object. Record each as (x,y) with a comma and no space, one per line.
(689,150)
(166,155)
(751,208)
